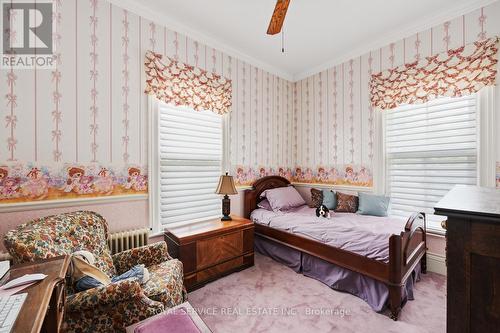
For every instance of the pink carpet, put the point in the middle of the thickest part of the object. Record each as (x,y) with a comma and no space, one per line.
(270,297)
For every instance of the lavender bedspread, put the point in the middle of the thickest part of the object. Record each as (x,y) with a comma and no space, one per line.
(361,234)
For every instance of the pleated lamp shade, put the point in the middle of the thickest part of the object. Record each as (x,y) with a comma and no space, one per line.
(226,185)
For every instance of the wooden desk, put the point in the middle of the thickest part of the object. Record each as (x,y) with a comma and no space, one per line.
(43,309)
(209,250)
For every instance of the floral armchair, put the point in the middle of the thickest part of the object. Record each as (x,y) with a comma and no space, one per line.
(108,308)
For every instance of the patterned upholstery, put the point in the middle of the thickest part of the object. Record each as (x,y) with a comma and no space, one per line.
(56,235)
(148,255)
(108,308)
(162,277)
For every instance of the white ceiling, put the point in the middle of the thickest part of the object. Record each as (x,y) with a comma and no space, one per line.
(318,33)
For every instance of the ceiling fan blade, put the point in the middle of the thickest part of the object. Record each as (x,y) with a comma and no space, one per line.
(278,17)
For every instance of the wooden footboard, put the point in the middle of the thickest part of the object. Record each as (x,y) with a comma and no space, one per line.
(405,252)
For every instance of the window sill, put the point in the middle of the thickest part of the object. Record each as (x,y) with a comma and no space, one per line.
(436,232)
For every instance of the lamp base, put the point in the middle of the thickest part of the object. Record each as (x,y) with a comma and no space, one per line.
(226,208)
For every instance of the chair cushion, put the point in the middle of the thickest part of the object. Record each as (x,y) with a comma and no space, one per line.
(61,234)
(165,283)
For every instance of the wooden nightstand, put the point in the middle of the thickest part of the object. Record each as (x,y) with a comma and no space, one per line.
(209,250)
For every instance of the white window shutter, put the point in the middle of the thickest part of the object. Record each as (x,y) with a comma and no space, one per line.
(430,148)
(190,144)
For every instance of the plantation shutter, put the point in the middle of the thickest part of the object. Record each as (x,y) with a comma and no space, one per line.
(430,147)
(190,164)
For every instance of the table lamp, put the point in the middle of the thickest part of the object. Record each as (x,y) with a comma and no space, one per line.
(226,187)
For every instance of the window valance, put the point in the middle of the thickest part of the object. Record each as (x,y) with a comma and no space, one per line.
(176,83)
(454,73)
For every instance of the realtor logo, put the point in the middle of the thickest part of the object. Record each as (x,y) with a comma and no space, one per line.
(27,35)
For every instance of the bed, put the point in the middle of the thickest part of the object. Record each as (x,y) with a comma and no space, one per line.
(384,265)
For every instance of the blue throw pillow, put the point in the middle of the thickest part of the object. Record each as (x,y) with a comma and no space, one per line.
(370,204)
(329,199)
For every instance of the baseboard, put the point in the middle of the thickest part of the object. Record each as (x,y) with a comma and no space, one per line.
(436,263)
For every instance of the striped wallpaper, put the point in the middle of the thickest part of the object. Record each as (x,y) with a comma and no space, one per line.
(90,110)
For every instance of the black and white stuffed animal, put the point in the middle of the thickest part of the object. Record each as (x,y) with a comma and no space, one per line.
(323,211)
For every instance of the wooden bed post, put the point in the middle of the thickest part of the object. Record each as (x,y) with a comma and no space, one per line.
(423,261)
(394,286)
(249,202)
(405,252)
(395,301)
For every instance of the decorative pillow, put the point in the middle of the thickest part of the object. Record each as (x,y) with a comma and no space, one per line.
(329,199)
(264,204)
(376,205)
(316,197)
(283,198)
(346,203)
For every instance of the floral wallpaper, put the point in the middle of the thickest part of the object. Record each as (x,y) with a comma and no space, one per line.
(21,182)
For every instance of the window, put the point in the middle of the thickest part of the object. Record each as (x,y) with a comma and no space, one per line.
(429,148)
(190,163)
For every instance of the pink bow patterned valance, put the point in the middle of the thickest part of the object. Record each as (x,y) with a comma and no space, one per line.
(174,82)
(459,72)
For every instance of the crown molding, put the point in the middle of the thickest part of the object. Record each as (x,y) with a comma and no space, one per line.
(174,25)
(404,32)
(411,29)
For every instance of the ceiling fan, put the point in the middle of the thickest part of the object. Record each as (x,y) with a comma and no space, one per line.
(278,17)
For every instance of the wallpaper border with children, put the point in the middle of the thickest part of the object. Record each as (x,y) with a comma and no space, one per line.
(25,182)
(344,175)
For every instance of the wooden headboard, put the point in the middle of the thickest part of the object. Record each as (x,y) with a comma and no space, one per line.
(252,196)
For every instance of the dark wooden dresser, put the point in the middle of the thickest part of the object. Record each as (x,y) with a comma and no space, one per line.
(209,250)
(473,258)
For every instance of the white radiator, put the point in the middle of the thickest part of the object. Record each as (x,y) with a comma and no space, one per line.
(126,240)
